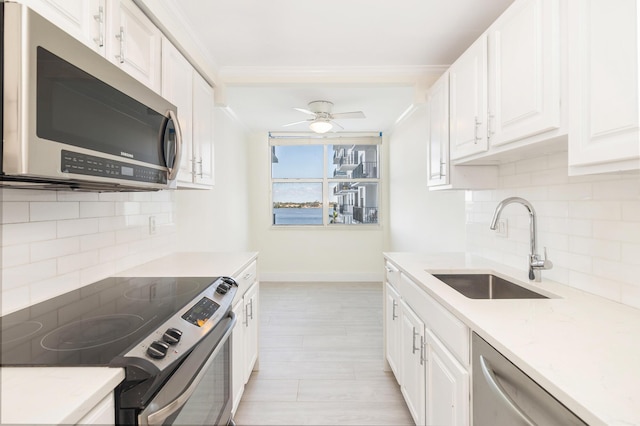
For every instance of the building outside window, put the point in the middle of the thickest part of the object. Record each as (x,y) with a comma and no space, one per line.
(318,182)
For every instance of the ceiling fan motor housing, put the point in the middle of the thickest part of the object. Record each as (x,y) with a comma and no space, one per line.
(321,107)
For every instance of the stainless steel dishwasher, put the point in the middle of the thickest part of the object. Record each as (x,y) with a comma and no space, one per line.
(503,395)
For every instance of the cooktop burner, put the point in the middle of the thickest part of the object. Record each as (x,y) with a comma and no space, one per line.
(96,323)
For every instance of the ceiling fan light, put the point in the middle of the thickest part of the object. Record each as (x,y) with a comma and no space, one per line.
(320,126)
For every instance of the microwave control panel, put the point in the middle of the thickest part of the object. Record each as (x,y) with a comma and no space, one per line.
(83,164)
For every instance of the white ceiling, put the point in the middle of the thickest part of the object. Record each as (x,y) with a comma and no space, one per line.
(377,56)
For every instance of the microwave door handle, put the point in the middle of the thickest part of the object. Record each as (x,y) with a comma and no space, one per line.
(157,417)
(175,167)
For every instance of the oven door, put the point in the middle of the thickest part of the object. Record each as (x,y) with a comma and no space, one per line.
(199,391)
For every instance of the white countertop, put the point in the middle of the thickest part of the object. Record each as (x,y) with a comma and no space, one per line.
(54,395)
(63,395)
(585,350)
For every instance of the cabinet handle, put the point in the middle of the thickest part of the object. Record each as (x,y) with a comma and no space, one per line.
(497,390)
(120,36)
(476,138)
(246,276)
(201,170)
(423,346)
(100,18)
(442,165)
(393,311)
(490,118)
(246,316)
(389,270)
(413,348)
(250,310)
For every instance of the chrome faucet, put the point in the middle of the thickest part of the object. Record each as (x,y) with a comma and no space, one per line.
(536,264)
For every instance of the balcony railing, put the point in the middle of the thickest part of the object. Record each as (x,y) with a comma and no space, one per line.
(365,214)
(366,169)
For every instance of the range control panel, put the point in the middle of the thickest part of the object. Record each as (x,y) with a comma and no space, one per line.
(185,329)
(91,165)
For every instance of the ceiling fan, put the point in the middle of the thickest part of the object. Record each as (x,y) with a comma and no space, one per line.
(323,118)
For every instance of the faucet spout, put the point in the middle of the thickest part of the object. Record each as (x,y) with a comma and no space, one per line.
(536,264)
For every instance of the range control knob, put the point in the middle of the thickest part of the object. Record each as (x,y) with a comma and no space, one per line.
(223,289)
(172,336)
(158,349)
(230,281)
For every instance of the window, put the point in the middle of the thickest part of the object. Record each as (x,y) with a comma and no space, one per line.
(318,182)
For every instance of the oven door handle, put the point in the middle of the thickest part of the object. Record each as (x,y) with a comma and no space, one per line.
(157,417)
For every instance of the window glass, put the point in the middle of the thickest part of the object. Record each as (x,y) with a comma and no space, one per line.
(297,203)
(346,193)
(296,161)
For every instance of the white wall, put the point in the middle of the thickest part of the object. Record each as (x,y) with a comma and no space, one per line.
(590,224)
(218,219)
(420,220)
(304,254)
(54,242)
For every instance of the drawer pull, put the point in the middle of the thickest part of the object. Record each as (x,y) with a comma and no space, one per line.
(246,276)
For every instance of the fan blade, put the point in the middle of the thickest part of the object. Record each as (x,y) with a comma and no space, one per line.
(352,114)
(306,111)
(297,122)
(336,124)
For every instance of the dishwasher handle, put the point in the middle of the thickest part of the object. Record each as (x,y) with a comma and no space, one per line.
(499,391)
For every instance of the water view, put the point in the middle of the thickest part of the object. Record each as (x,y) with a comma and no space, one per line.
(297,216)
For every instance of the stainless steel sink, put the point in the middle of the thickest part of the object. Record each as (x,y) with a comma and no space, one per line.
(487,286)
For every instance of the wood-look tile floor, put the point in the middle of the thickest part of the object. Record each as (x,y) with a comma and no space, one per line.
(321,359)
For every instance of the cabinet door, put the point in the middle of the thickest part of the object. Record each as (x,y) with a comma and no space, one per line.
(524,71)
(438,144)
(251,329)
(203,105)
(237,351)
(447,385)
(413,364)
(604,105)
(83,19)
(468,101)
(177,88)
(393,329)
(134,43)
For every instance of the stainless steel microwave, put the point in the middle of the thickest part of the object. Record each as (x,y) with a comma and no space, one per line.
(73,120)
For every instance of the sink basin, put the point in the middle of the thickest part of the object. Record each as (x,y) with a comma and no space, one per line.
(487,286)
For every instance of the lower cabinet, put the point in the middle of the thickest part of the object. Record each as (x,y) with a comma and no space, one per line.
(104,413)
(392,326)
(413,378)
(433,375)
(244,340)
(447,385)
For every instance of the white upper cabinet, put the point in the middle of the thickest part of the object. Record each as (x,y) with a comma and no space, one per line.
(134,42)
(203,110)
(524,71)
(468,101)
(177,88)
(82,19)
(438,122)
(441,173)
(604,128)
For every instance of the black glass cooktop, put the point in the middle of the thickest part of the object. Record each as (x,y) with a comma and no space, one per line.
(92,325)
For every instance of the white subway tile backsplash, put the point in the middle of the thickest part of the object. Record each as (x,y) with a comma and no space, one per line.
(54,242)
(71,228)
(54,248)
(595,210)
(27,232)
(47,211)
(21,275)
(98,209)
(590,223)
(15,212)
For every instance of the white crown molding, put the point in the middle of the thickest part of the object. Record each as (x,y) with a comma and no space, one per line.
(258,75)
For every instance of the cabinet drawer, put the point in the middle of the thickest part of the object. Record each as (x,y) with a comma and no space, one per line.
(247,277)
(449,329)
(392,274)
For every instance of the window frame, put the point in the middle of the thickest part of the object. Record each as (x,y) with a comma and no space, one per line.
(326,181)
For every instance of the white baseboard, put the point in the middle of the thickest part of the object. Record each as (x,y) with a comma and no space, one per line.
(321,276)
